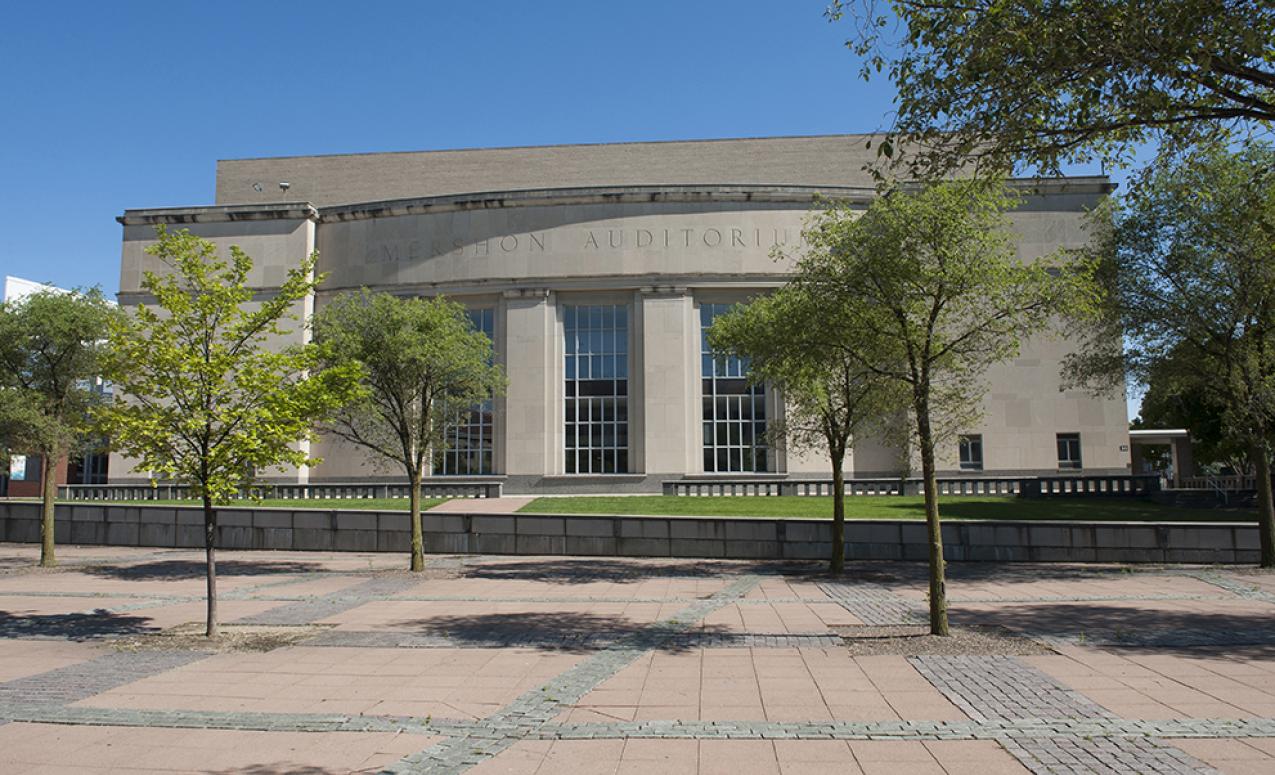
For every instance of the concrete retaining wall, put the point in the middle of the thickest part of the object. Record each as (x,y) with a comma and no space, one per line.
(369,531)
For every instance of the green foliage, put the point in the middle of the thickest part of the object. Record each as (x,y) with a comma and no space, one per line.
(1051,82)
(50,358)
(423,362)
(51,347)
(924,291)
(828,395)
(206,394)
(421,359)
(1176,397)
(1190,258)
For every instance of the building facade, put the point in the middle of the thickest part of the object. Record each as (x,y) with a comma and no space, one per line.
(597,271)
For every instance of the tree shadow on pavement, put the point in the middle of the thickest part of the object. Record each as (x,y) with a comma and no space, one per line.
(557,631)
(75,626)
(1242,635)
(195,569)
(584,570)
(912,574)
(281,768)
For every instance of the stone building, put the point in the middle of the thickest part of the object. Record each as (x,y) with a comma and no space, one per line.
(596,270)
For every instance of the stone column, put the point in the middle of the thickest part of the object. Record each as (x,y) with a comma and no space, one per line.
(670,349)
(531,408)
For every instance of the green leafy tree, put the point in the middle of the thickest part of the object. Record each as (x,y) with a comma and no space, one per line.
(205,393)
(1191,260)
(422,361)
(1049,82)
(51,347)
(1178,395)
(829,395)
(924,290)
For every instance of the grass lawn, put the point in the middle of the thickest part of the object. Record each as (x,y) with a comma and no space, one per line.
(887,507)
(377,504)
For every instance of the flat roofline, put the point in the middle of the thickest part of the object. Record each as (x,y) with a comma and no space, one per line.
(723,192)
(471,149)
(269,211)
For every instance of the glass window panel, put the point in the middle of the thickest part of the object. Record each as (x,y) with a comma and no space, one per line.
(597,340)
(467,437)
(732,442)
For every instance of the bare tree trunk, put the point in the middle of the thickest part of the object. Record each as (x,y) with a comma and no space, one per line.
(938,573)
(49,487)
(838,563)
(210,551)
(418,540)
(1265,505)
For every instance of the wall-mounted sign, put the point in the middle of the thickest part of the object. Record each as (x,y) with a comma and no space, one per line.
(17,468)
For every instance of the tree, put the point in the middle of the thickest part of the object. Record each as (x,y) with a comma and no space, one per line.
(205,394)
(1049,82)
(422,362)
(1191,260)
(924,290)
(829,396)
(1178,395)
(50,357)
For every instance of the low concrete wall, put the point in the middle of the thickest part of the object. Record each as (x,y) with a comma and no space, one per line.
(375,531)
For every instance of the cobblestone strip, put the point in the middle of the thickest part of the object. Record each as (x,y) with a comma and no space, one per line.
(998,687)
(570,641)
(1005,729)
(85,679)
(1082,598)
(1230,584)
(520,718)
(237,720)
(1109,728)
(1007,689)
(1104,756)
(874,603)
(323,606)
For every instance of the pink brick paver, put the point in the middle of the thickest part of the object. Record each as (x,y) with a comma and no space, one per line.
(19,658)
(44,748)
(1253,756)
(752,757)
(437,683)
(1167,686)
(765,685)
(493,662)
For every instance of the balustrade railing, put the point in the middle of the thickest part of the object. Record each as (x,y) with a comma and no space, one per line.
(1022,486)
(1220,483)
(450,488)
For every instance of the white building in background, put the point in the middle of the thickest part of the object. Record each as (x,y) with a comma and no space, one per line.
(17,288)
(597,271)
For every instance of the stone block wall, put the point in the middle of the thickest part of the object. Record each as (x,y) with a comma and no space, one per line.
(545,534)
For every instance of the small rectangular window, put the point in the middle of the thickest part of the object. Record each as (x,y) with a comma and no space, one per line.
(971,453)
(1069,450)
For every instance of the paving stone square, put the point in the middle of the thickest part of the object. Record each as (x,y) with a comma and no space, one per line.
(488,664)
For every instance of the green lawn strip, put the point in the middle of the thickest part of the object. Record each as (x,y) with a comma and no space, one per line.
(377,504)
(889,507)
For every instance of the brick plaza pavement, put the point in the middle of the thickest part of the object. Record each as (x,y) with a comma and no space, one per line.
(547,665)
